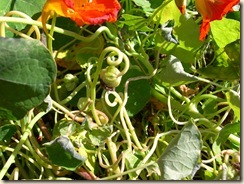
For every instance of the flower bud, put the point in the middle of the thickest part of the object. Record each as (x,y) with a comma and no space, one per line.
(82,104)
(70,81)
(109,76)
(181,4)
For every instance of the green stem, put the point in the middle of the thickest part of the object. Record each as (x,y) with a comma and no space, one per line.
(192,112)
(76,90)
(153,148)
(29,159)
(145,60)
(60,30)
(128,172)
(131,129)
(121,56)
(126,130)
(2,29)
(19,145)
(67,112)
(22,171)
(50,36)
(112,151)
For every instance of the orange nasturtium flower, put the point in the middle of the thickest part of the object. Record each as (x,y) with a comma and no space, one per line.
(212,10)
(89,12)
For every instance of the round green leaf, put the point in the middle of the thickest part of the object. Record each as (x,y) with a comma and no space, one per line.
(180,158)
(27,70)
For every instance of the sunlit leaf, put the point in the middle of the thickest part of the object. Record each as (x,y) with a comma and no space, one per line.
(186,31)
(180,158)
(225,31)
(168,11)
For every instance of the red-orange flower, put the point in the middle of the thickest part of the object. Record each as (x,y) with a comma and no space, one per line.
(89,12)
(212,10)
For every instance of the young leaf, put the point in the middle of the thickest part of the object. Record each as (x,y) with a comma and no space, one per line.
(62,127)
(27,70)
(233,99)
(173,73)
(99,134)
(146,5)
(61,152)
(180,158)
(223,136)
(131,161)
(135,23)
(226,131)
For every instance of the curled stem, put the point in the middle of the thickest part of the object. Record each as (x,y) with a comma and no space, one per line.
(113,51)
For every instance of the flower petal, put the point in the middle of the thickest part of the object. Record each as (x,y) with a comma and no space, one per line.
(212,10)
(54,6)
(82,11)
(215,9)
(204,29)
(96,12)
